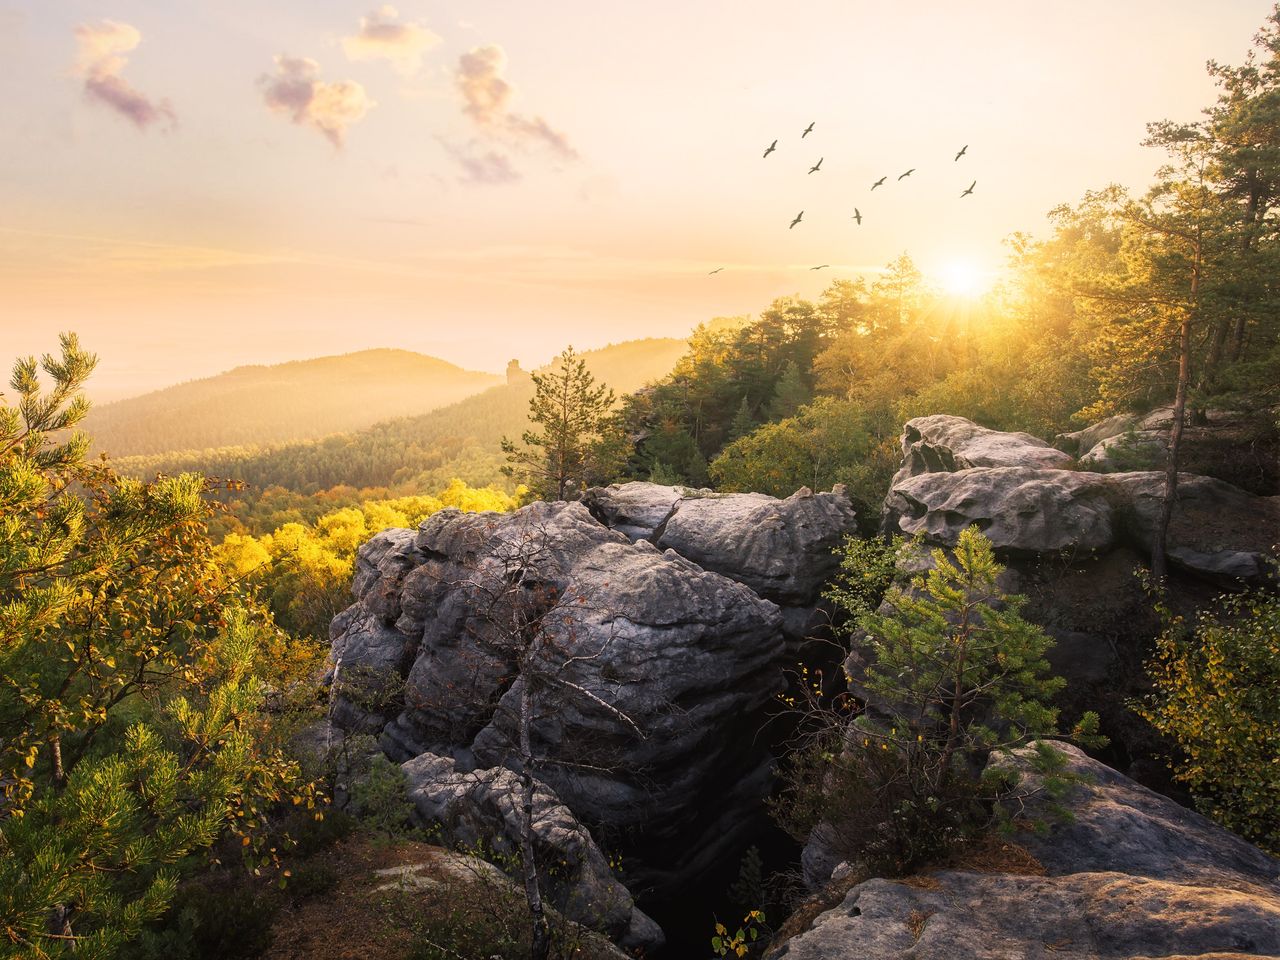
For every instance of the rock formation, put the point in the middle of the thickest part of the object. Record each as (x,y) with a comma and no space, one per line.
(1131,875)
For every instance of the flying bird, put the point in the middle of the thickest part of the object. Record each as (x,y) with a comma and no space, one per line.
(807,131)
(822,266)
(814,168)
(878,182)
(857,215)
(715,271)
(797,219)
(962,152)
(970,190)
(772,147)
(908,173)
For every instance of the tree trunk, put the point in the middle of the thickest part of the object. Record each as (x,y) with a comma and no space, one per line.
(1159,566)
(540,940)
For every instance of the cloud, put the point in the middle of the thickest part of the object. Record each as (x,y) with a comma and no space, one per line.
(100,59)
(383,36)
(487,96)
(480,166)
(297,91)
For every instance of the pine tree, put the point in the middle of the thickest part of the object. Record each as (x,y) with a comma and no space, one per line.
(790,394)
(567,453)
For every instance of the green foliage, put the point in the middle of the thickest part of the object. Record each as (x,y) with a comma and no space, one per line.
(867,570)
(232,923)
(954,674)
(742,942)
(132,685)
(570,449)
(380,798)
(1215,696)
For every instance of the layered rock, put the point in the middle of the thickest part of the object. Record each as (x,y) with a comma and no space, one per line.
(945,444)
(650,674)
(481,809)
(1131,875)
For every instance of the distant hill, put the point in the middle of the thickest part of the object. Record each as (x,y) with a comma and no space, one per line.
(301,400)
(418,452)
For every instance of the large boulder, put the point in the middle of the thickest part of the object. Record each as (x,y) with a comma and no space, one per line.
(781,549)
(650,675)
(942,443)
(1130,875)
(482,809)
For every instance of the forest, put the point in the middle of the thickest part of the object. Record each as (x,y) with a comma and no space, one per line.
(180,650)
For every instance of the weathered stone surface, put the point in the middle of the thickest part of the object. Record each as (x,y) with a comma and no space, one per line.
(484,807)
(636,509)
(781,549)
(1134,875)
(1146,448)
(945,444)
(1082,441)
(1020,509)
(643,636)
(380,567)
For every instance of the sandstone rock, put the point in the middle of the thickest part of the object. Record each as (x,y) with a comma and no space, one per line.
(1020,509)
(942,443)
(636,509)
(483,807)
(689,656)
(1134,875)
(1082,441)
(1146,448)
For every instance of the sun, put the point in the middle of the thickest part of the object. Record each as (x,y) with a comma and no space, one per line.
(964,278)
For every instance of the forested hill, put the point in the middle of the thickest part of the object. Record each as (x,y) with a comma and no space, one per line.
(301,400)
(407,453)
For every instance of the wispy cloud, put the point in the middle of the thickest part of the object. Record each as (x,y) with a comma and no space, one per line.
(101,57)
(384,36)
(297,91)
(486,99)
(481,166)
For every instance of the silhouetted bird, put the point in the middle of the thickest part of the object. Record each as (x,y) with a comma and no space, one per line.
(814,168)
(857,215)
(822,266)
(807,131)
(772,147)
(908,173)
(970,190)
(716,270)
(797,219)
(962,151)
(878,182)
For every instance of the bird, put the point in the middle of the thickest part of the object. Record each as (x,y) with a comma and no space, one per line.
(821,266)
(772,147)
(797,219)
(962,151)
(970,190)
(807,131)
(908,173)
(814,168)
(878,182)
(716,270)
(857,215)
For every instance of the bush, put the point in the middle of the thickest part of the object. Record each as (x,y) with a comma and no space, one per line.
(1216,696)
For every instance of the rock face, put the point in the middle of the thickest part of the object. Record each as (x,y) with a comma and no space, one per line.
(468,805)
(1133,876)
(648,683)
(945,444)
(1071,540)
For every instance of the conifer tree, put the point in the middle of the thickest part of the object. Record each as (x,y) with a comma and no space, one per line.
(568,448)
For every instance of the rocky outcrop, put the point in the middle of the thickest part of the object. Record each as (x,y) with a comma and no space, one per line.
(1131,875)
(945,444)
(649,673)
(481,809)
(636,509)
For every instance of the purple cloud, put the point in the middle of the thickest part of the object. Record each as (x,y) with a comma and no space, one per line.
(100,60)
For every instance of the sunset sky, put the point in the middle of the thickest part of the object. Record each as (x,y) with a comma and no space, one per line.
(197,184)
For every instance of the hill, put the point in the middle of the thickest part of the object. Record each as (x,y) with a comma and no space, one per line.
(300,400)
(408,453)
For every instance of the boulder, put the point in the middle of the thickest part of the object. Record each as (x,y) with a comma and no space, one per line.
(652,676)
(1131,875)
(1082,441)
(944,444)
(481,809)
(636,509)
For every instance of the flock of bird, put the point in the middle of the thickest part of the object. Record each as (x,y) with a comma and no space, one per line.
(857,214)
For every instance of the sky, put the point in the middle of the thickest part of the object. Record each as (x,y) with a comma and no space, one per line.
(192,185)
